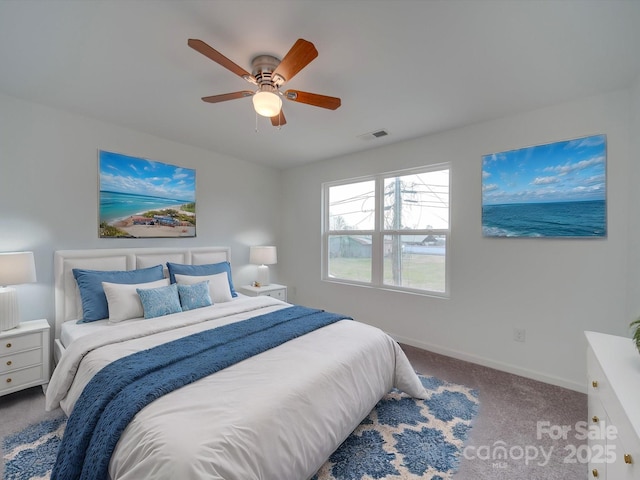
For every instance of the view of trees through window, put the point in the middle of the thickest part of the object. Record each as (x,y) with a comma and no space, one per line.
(389,230)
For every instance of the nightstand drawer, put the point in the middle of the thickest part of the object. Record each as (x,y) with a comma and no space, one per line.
(20,342)
(15,380)
(279,294)
(20,360)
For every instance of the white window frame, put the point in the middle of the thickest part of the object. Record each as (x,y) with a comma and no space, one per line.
(378,232)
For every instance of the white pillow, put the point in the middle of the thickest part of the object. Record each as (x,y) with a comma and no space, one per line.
(123,300)
(218,285)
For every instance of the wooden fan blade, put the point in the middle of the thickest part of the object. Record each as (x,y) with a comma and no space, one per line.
(210,52)
(227,96)
(279,120)
(300,55)
(313,99)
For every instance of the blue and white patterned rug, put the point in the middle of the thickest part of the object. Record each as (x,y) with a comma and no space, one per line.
(408,439)
(402,438)
(31,453)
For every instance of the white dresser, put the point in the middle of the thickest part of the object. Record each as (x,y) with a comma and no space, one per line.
(24,356)
(613,370)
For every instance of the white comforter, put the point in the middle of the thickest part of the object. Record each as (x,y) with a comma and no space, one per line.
(278,415)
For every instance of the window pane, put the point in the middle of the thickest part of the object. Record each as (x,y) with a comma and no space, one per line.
(350,257)
(415,261)
(418,201)
(352,206)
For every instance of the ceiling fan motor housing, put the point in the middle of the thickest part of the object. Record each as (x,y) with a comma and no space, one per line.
(263,66)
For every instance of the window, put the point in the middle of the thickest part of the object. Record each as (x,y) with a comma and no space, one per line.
(388,231)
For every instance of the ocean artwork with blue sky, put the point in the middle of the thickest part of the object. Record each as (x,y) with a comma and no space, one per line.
(552,190)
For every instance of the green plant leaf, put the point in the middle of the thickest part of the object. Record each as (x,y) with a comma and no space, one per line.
(636,332)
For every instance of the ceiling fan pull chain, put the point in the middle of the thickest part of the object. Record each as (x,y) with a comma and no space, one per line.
(256,122)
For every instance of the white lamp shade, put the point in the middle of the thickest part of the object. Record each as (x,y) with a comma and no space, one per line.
(267,104)
(15,268)
(267,255)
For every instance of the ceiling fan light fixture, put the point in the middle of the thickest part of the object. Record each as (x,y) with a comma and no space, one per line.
(266,103)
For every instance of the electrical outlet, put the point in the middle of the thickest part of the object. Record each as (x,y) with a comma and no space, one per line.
(519,334)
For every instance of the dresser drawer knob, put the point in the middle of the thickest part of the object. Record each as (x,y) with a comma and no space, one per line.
(595,419)
(627,459)
(9,362)
(594,472)
(8,345)
(594,384)
(8,380)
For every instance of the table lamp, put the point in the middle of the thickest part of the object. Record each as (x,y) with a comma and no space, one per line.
(263,256)
(15,268)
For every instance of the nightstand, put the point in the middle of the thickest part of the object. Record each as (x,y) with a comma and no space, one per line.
(24,356)
(272,290)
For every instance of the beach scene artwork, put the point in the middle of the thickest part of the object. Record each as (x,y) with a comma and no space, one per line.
(141,198)
(553,190)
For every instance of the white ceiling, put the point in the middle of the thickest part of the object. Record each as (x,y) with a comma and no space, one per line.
(410,67)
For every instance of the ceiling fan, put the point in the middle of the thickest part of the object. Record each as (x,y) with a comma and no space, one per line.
(269,74)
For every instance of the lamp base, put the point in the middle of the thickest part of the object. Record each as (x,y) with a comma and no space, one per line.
(263,275)
(9,310)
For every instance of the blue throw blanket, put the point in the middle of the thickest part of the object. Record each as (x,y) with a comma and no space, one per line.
(123,388)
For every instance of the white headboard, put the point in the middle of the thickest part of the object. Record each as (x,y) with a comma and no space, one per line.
(67,295)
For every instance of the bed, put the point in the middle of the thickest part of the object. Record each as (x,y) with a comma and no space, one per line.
(278,414)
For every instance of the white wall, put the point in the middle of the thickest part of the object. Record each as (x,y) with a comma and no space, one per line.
(49,193)
(555,289)
(634,203)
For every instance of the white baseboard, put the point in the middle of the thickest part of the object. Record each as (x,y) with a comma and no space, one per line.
(504,367)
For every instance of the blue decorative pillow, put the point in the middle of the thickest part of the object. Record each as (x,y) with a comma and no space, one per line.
(94,301)
(157,302)
(194,296)
(198,270)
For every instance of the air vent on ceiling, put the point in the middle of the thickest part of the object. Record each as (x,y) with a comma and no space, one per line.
(373,135)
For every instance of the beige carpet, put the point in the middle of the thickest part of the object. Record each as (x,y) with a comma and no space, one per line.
(510,409)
